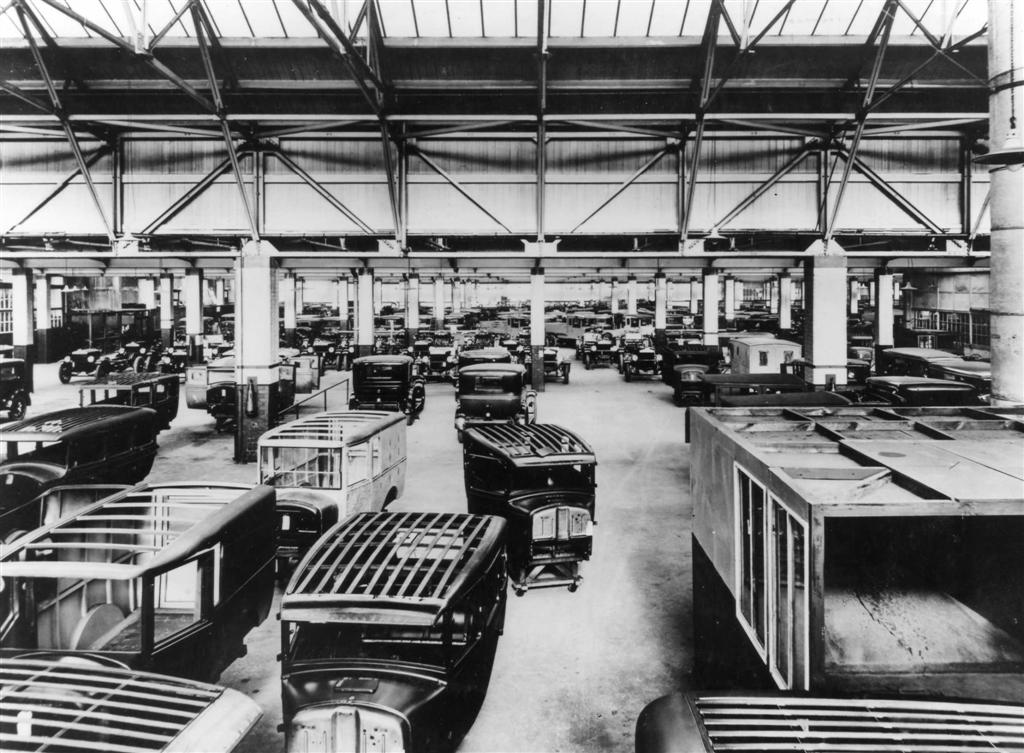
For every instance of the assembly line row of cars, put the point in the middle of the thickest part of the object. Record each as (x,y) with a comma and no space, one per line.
(389,621)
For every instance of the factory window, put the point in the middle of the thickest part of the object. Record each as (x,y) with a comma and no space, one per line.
(6,313)
(789,599)
(751,567)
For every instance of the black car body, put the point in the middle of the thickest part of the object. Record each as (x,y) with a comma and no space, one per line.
(14,397)
(555,365)
(147,390)
(494,393)
(472,356)
(540,478)
(389,628)
(439,356)
(919,391)
(602,351)
(100,444)
(387,383)
(688,351)
(688,383)
(141,354)
(172,359)
(974,372)
(910,361)
(165,578)
(91,362)
(638,358)
(709,722)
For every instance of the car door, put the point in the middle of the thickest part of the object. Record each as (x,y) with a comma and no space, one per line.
(183,602)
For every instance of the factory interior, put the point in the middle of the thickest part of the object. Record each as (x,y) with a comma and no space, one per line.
(515,376)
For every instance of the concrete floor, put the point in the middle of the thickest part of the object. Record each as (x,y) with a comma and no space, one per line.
(573,670)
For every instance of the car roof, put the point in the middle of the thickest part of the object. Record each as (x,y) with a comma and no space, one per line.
(929,354)
(182,517)
(330,429)
(125,380)
(912,381)
(109,707)
(491,368)
(396,360)
(69,423)
(406,566)
(533,444)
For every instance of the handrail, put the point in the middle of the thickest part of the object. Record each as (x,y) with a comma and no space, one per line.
(321,392)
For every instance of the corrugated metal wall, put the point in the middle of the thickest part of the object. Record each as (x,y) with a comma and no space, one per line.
(499,174)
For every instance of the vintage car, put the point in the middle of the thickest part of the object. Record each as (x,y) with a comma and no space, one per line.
(140,353)
(441,356)
(147,390)
(494,393)
(387,383)
(910,361)
(100,444)
(638,358)
(604,351)
(326,467)
(472,356)
(715,721)
(686,350)
(540,478)
(974,372)
(908,390)
(555,365)
(718,386)
(91,362)
(857,370)
(688,383)
(389,628)
(14,397)
(62,705)
(173,359)
(166,578)
(211,387)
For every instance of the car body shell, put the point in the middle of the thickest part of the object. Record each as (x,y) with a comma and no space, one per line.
(387,383)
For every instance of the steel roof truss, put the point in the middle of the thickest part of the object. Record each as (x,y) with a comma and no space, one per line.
(91,160)
(310,181)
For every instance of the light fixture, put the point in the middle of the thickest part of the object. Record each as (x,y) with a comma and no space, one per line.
(907,288)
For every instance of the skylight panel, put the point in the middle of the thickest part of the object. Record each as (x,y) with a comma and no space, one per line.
(633,18)
(666,18)
(566,18)
(399,20)
(803,18)
(465,16)
(527,18)
(695,16)
(228,19)
(431,18)
(499,18)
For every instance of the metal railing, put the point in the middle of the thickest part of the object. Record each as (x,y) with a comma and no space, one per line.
(298,404)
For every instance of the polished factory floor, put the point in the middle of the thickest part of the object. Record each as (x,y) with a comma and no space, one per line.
(573,670)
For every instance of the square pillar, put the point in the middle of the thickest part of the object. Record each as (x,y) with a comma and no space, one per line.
(696,294)
(23,332)
(438,303)
(260,393)
(785,303)
(46,337)
(219,297)
(660,306)
(341,300)
(167,309)
(378,295)
(364,311)
(631,295)
(537,328)
(885,316)
(710,290)
(289,301)
(730,300)
(192,293)
(412,308)
(773,296)
(825,328)
(147,292)
(872,293)
(854,296)
(456,296)
(614,303)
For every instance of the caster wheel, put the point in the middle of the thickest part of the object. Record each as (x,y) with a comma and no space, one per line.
(574,587)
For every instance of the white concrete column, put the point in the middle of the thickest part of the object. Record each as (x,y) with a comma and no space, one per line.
(364,311)
(773,296)
(710,292)
(884,311)
(660,303)
(456,296)
(438,303)
(785,302)
(257,375)
(377,293)
(696,294)
(730,300)
(41,302)
(219,297)
(147,292)
(192,295)
(825,329)
(167,308)
(631,295)
(341,299)
(614,302)
(537,327)
(300,295)
(22,310)
(1006,289)
(412,306)
(289,300)
(738,293)
(854,299)
(873,293)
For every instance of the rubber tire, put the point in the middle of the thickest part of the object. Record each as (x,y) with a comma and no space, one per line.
(17,409)
(628,374)
(565,377)
(64,372)
(139,364)
(458,435)
(102,369)
(587,364)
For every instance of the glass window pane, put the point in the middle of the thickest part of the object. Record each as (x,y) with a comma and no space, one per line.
(783,597)
(757,562)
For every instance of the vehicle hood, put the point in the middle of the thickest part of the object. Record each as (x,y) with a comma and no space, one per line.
(398,686)
(529,502)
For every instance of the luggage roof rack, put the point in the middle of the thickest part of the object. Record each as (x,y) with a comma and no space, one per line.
(330,428)
(536,443)
(409,565)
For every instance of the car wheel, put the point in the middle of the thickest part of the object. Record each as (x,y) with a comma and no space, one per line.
(628,373)
(565,377)
(64,372)
(587,364)
(102,369)
(458,435)
(139,364)
(16,410)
